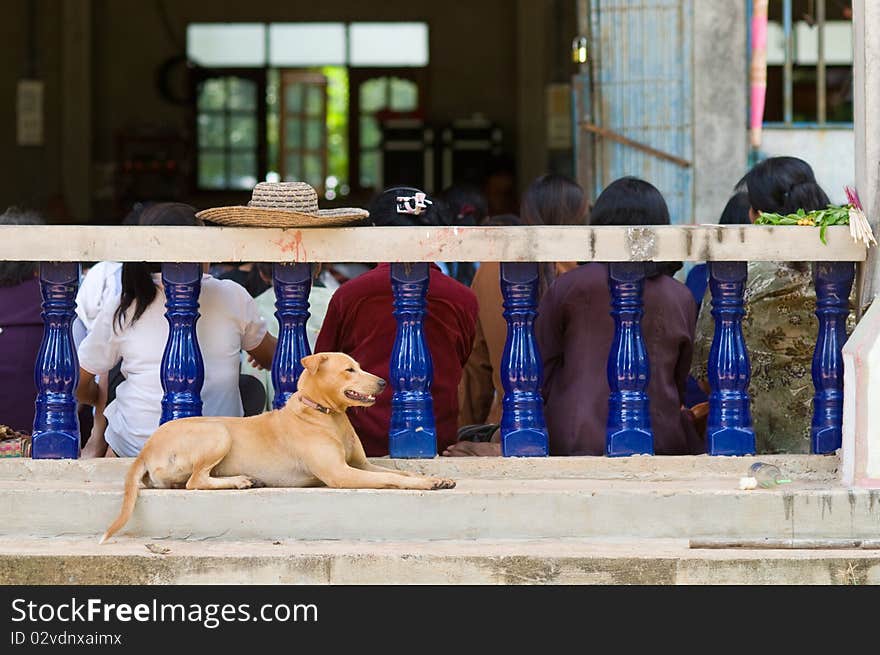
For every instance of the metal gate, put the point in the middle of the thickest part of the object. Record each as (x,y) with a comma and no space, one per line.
(634,104)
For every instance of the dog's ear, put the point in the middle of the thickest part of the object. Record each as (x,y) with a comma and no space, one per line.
(313,362)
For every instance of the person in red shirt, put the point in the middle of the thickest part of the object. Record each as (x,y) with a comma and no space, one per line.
(360,322)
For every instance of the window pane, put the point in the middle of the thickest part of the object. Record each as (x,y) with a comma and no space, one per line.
(315,100)
(388,44)
(212,170)
(369,169)
(775,44)
(306,44)
(313,173)
(371,135)
(212,94)
(404,95)
(242,94)
(838,43)
(242,170)
(292,136)
(242,131)
(212,130)
(314,134)
(293,102)
(373,94)
(839,97)
(226,44)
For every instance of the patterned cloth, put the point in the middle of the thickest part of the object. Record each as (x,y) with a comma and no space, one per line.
(780,328)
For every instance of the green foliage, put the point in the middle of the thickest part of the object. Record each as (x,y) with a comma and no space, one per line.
(821,218)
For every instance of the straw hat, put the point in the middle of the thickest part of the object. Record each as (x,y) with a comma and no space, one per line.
(283,204)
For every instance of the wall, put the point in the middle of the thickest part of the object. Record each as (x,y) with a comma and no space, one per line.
(831,153)
(31,174)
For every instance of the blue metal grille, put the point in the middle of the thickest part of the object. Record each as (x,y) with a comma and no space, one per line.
(642,89)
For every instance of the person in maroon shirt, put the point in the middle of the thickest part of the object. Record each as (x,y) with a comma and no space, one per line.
(360,322)
(21,332)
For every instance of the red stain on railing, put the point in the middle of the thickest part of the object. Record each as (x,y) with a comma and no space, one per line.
(294,245)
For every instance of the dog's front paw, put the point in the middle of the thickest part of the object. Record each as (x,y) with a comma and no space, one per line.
(244,482)
(442,483)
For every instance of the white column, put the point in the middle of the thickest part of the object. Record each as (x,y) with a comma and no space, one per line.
(866,91)
(719,81)
(860,465)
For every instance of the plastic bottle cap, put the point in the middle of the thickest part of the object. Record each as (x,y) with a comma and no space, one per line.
(748,483)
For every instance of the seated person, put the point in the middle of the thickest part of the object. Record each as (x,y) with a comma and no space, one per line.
(135,330)
(549,200)
(736,212)
(574,331)
(21,332)
(319,299)
(780,324)
(360,322)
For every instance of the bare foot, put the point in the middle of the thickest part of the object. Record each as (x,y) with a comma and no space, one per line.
(94,448)
(473,449)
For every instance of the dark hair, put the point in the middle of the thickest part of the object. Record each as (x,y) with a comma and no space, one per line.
(384,210)
(137,209)
(736,211)
(137,277)
(630,201)
(14,273)
(554,200)
(466,204)
(782,185)
(504,220)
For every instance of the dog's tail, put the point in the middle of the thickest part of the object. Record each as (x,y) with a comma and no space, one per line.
(132,485)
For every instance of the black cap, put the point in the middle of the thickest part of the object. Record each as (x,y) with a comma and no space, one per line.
(407,206)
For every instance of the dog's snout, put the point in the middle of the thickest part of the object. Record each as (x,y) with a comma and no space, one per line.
(381,383)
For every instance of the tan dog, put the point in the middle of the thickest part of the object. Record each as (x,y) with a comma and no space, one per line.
(307,443)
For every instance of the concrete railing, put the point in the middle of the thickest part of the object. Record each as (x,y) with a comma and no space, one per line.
(181,249)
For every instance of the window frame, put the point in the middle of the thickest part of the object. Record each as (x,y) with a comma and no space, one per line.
(356,77)
(788,121)
(200,74)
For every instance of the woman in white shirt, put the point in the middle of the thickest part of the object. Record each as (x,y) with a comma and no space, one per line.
(135,330)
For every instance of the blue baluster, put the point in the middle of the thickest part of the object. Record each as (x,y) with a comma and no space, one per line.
(413,433)
(628,431)
(523,431)
(293,283)
(183,370)
(834,282)
(56,372)
(729,428)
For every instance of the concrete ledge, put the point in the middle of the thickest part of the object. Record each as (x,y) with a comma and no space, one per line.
(476,509)
(811,468)
(656,561)
(537,243)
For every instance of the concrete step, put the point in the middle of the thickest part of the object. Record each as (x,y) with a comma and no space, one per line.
(639,498)
(811,468)
(567,561)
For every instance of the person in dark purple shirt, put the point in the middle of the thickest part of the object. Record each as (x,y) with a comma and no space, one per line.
(575,330)
(21,331)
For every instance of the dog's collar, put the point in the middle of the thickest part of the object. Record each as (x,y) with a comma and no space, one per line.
(311,403)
